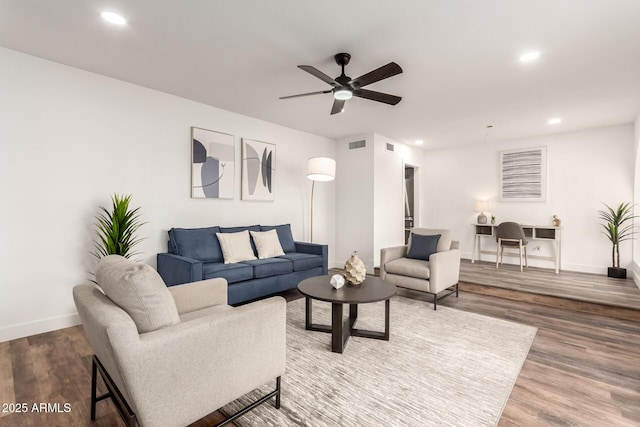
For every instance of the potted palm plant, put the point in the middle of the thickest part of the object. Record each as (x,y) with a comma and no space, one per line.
(117,228)
(618,226)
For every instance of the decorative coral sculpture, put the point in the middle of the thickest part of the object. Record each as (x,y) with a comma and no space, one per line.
(354,270)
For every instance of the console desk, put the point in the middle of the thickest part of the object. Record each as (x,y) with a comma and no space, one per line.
(546,233)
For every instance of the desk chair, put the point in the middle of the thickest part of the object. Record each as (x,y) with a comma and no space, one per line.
(511,235)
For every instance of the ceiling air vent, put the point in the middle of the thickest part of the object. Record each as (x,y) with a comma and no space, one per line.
(391,147)
(357,144)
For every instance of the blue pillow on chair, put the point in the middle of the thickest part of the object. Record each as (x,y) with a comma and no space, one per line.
(423,246)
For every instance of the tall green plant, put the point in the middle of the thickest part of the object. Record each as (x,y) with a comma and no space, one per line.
(618,227)
(117,228)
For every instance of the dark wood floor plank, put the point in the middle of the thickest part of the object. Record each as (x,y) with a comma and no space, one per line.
(557,397)
(586,287)
(581,369)
(7,394)
(551,301)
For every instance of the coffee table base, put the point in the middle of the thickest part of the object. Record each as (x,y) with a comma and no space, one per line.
(341,329)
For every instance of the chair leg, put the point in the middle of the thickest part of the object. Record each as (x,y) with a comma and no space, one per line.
(456,290)
(520,250)
(498,253)
(94,384)
(435,301)
(278,388)
(526,260)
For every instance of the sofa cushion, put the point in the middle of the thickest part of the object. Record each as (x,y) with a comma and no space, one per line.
(196,243)
(237,229)
(284,234)
(409,267)
(267,243)
(232,272)
(303,261)
(423,246)
(270,267)
(139,290)
(236,247)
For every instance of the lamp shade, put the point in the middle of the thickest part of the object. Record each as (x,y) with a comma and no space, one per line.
(321,169)
(481,206)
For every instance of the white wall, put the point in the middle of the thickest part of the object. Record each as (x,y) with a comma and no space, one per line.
(71,138)
(388,197)
(635,265)
(389,192)
(354,201)
(585,168)
(370,197)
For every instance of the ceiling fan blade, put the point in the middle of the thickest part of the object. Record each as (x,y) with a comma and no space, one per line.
(377,96)
(319,74)
(384,72)
(338,105)
(306,94)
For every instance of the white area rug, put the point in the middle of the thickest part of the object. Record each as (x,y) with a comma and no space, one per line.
(440,368)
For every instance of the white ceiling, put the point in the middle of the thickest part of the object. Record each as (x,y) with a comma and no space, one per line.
(460,59)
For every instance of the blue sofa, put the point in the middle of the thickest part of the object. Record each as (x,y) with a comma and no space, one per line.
(194,254)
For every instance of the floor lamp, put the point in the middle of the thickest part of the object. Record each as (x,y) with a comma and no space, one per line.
(319,169)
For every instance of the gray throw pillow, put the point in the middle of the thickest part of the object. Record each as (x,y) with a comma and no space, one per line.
(139,290)
(422,246)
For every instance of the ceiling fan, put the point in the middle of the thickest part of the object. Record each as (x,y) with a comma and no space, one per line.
(344,87)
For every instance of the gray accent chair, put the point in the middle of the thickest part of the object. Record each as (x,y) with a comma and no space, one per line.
(171,356)
(511,235)
(438,276)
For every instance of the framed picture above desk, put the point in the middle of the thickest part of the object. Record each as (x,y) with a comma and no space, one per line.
(546,233)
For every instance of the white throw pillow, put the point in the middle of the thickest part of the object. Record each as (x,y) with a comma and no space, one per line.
(235,247)
(139,290)
(267,243)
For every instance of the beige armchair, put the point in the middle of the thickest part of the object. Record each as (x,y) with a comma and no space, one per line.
(436,274)
(170,356)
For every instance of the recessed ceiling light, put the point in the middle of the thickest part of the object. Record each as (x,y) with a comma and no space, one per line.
(530,56)
(419,142)
(113,18)
(554,121)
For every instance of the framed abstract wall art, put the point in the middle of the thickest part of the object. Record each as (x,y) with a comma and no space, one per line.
(212,164)
(258,170)
(523,175)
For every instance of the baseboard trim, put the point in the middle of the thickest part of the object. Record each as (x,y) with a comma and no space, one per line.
(26,329)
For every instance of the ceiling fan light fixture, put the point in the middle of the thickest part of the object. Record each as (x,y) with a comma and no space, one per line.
(343,94)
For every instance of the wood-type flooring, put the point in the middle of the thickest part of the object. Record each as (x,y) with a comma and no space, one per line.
(583,368)
(595,288)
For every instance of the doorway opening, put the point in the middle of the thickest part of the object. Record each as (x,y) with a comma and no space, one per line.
(410,196)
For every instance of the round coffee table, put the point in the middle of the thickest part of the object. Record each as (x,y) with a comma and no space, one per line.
(373,289)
